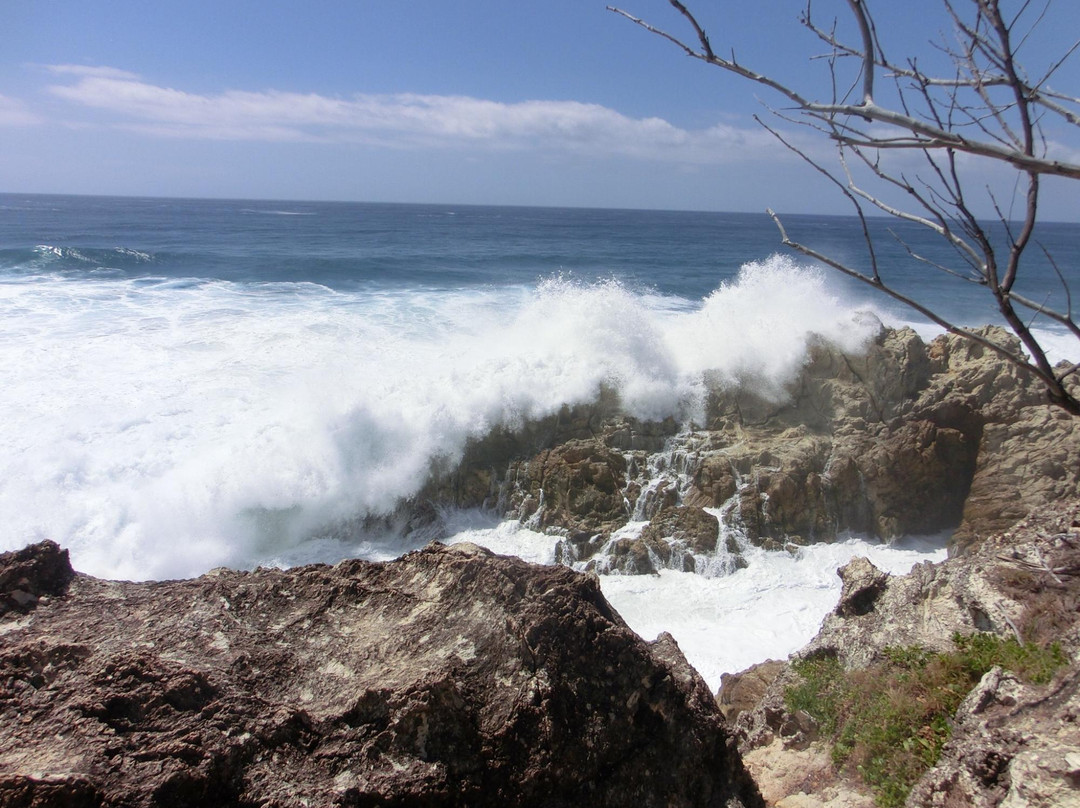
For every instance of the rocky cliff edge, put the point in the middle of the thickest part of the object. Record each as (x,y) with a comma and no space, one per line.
(449,677)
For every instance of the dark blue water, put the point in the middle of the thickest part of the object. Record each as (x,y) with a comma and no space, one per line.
(346,246)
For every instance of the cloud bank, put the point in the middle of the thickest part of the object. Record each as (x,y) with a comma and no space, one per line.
(401,120)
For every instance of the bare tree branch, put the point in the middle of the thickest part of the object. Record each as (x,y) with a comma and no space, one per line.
(922,134)
(987,109)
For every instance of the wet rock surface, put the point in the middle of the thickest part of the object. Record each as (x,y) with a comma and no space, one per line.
(903,438)
(448,677)
(674,538)
(577,487)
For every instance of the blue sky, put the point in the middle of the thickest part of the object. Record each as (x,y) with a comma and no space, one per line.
(554,103)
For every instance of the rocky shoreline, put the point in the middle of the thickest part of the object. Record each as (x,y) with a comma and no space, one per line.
(906,438)
(455,677)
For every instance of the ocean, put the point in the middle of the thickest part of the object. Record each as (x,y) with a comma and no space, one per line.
(198,383)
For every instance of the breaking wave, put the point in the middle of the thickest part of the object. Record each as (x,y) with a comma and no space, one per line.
(161,427)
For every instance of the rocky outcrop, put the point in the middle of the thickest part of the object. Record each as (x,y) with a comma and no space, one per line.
(743,691)
(673,539)
(478,478)
(29,574)
(1011,743)
(903,438)
(1029,460)
(576,487)
(448,677)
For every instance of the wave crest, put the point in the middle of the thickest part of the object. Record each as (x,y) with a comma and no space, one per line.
(208,424)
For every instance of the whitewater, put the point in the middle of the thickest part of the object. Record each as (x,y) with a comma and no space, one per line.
(164,412)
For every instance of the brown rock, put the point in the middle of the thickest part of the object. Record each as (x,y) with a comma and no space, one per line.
(907,438)
(692,529)
(27,575)
(449,677)
(670,540)
(1022,464)
(916,477)
(577,486)
(744,690)
(633,557)
(872,387)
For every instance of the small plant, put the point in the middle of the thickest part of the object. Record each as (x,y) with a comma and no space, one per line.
(1032,663)
(889,721)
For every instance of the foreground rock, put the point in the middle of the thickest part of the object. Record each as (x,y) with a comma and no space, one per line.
(448,677)
(1011,744)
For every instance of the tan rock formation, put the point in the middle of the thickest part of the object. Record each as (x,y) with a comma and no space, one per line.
(906,438)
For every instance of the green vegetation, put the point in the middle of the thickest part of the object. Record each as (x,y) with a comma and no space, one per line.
(889,721)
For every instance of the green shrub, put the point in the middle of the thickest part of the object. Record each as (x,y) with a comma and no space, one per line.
(889,721)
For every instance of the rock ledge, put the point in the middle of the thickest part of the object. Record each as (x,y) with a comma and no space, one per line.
(448,677)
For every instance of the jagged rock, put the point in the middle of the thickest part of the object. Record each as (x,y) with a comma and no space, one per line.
(449,677)
(652,500)
(633,556)
(744,690)
(834,387)
(714,480)
(851,450)
(1026,462)
(797,486)
(1028,451)
(30,574)
(577,486)
(916,477)
(781,493)
(670,540)
(631,434)
(476,479)
(986,382)
(908,438)
(862,585)
(687,528)
(902,438)
(1011,744)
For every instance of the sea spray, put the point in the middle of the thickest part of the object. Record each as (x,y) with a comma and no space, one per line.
(159,427)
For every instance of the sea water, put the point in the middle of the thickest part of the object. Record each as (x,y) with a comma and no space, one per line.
(191,383)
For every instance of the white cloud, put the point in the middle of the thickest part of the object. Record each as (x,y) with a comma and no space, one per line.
(403,120)
(89,70)
(14,112)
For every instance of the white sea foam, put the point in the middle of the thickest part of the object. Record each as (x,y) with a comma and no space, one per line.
(159,428)
(278,212)
(766,611)
(725,624)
